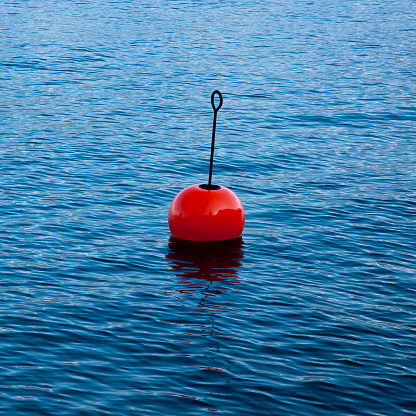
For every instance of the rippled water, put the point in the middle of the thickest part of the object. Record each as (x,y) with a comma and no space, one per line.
(106,115)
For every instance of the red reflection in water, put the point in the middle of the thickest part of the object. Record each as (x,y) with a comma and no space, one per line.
(205,270)
(197,263)
(210,261)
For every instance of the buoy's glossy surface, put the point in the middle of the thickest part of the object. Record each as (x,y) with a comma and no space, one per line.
(198,214)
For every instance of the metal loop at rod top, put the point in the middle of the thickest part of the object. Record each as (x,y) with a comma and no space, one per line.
(212,101)
(213,132)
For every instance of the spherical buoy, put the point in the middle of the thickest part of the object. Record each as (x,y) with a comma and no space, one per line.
(198,213)
(207,212)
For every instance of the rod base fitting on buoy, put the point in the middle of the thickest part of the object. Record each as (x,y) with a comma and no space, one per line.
(206,213)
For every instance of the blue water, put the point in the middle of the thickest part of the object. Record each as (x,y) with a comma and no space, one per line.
(105,116)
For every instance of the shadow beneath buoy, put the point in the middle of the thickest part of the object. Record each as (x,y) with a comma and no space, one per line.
(206,272)
(211,261)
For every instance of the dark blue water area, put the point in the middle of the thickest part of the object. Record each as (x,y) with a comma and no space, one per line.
(105,115)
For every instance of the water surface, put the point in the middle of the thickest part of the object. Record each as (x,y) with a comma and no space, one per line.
(105,115)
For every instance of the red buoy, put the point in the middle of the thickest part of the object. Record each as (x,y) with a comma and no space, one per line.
(200,214)
(207,212)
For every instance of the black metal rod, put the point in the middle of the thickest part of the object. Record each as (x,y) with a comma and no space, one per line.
(213,132)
